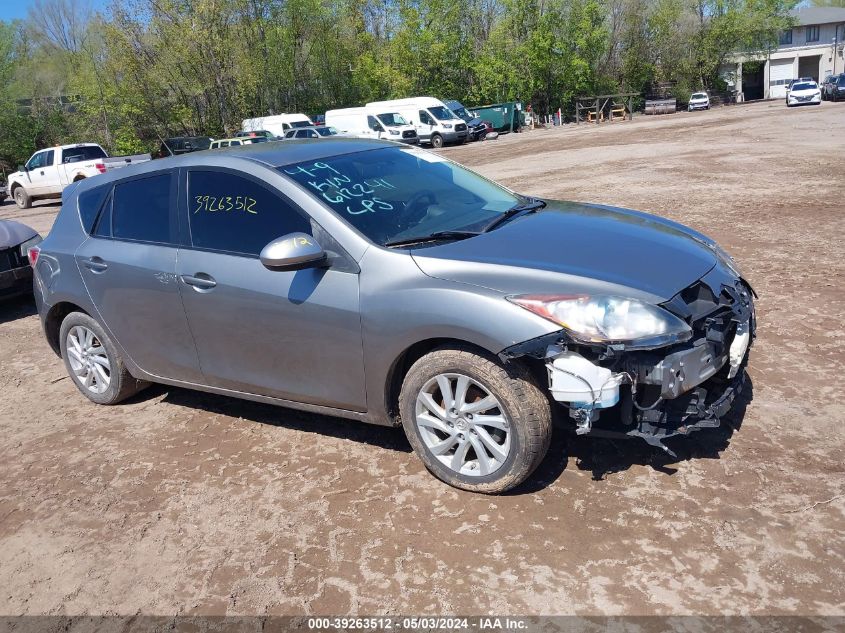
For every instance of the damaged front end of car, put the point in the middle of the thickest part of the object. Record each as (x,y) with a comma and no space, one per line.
(683,377)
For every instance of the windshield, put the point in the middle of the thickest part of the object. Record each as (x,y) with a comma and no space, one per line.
(462,113)
(804,86)
(326,131)
(394,193)
(699,95)
(441,113)
(77,154)
(392,119)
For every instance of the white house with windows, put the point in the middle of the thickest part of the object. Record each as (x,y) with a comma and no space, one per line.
(812,48)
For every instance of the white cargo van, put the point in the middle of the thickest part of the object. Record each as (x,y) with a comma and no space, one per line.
(372,123)
(277,124)
(435,123)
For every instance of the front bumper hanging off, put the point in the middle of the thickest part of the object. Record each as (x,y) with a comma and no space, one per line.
(656,394)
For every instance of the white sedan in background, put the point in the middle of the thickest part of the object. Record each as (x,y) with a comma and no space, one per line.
(698,101)
(804,93)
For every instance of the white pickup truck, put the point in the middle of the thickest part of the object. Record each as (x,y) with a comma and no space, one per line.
(49,171)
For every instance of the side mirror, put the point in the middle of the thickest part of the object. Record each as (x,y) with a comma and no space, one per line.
(22,168)
(292,252)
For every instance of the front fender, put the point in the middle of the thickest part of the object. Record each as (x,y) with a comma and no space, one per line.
(401,306)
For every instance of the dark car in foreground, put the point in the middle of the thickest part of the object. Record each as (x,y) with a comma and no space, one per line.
(16,240)
(383,283)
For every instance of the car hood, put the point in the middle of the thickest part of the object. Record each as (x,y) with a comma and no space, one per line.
(13,233)
(572,247)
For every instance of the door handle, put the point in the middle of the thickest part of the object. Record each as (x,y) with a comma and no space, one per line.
(95,264)
(42,172)
(200,281)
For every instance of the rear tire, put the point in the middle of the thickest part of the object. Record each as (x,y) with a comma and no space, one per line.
(436,141)
(512,431)
(92,361)
(22,198)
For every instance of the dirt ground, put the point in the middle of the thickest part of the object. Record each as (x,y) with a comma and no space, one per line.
(179,502)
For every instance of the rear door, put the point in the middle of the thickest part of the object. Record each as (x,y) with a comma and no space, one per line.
(294,335)
(129,269)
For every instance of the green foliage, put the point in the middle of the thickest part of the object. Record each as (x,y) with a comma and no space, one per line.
(154,68)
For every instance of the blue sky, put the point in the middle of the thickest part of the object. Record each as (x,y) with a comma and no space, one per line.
(14,9)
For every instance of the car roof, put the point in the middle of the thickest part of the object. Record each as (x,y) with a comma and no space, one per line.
(269,154)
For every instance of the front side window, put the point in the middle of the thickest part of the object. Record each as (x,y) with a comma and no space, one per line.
(813,33)
(393,193)
(36,161)
(785,38)
(425,118)
(235,214)
(373,124)
(141,210)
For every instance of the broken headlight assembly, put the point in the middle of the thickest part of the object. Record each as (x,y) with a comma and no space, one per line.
(606,319)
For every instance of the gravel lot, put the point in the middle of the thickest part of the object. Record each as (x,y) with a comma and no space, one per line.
(180,502)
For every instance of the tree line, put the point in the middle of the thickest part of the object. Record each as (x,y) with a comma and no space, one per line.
(140,70)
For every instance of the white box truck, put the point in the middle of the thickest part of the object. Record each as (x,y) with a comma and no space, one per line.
(435,123)
(276,124)
(372,123)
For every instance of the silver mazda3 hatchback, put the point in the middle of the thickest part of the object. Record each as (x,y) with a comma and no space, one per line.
(387,284)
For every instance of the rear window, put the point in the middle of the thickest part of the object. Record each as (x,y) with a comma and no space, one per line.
(80,154)
(141,210)
(90,202)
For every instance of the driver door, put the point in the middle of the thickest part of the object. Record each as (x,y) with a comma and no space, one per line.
(39,172)
(294,334)
(425,126)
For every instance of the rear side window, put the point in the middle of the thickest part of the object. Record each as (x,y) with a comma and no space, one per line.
(78,154)
(141,210)
(90,202)
(232,213)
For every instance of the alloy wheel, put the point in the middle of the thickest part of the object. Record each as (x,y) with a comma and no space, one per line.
(463,425)
(88,359)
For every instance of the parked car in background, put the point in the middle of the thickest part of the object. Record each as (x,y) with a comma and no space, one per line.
(836,91)
(319,119)
(259,134)
(373,122)
(316,131)
(476,128)
(277,124)
(381,283)
(4,192)
(792,82)
(435,123)
(804,93)
(50,170)
(15,271)
(698,101)
(234,142)
(182,145)
(825,84)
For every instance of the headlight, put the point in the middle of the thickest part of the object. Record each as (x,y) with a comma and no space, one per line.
(394,132)
(448,126)
(605,319)
(24,248)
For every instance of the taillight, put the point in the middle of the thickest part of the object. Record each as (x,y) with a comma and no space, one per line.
(100,167)
(32,255)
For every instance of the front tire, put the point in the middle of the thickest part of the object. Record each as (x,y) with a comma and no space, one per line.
(22,198)
(93,363)
(475,424)
(436,141)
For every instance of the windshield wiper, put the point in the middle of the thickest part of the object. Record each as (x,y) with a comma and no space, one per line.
(529,206)
(433,237)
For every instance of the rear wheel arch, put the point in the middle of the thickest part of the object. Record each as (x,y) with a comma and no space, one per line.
(79,177)
(53,322)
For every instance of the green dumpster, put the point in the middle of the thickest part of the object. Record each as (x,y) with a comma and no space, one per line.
(504,117)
